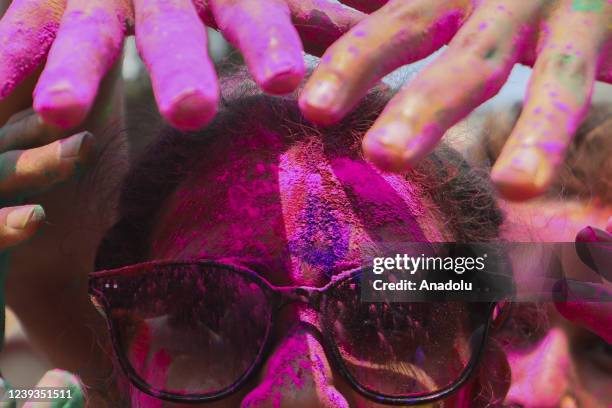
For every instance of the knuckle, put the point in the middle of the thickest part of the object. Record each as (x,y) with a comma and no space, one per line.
(403,11)
(493,56)
(420,12)
(567,64)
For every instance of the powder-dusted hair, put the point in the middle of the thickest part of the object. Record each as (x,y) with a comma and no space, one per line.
(463,195)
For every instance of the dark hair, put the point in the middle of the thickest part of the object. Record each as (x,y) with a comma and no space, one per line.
(462,194)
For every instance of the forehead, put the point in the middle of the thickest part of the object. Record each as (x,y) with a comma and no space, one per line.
(299,209)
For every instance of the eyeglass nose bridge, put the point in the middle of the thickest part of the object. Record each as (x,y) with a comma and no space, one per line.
(300,294)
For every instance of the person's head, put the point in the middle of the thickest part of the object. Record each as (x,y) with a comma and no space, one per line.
(261,189)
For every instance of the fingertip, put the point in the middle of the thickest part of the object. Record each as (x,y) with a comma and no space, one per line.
(182,73)
(319,101)
(594,316)
(191,110)
(515,188)
(59,378)
(279,70)
(60,106)
(282,79)
(385,157)
(26,217)
(393,147)
(80,147)
(522,175)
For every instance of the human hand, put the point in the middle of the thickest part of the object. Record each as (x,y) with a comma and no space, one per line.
(35,156)
(31,161)
(594,316)
(568,42)
(82,39)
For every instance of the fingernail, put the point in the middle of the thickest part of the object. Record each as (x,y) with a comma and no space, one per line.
(594,248)
(75,145)
(393,136)
(386,146)
(523,163)
(22,217)
(522,174)
(281,82)
(60,105)
(322,94)
(191,110)
(591,234)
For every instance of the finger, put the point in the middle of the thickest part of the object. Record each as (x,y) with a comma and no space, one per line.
(367,6)
(397,34)
(61,380)
(263,32)
(321,22)
(18,224)
(203,9)
(88,43)
(26,33)
(594,248)
(558,97)
(29,130)
(318,22)
(595,316)
(25,172)
(16,117)
(473,69)
(171,40)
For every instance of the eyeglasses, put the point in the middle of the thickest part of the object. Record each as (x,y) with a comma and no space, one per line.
(198,331)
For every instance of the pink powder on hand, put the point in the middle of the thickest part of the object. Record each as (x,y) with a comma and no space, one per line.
(268,40)
(27,30)
(172,41)
(321,22)
(594,316)
(88,43)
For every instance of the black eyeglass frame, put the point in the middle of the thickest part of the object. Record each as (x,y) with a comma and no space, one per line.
(277,297)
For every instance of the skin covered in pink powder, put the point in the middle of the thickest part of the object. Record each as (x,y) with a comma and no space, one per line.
(88,43)
(27,30)
(594,316)
(268,40)
(170,38)
(321,22)
(172,41)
